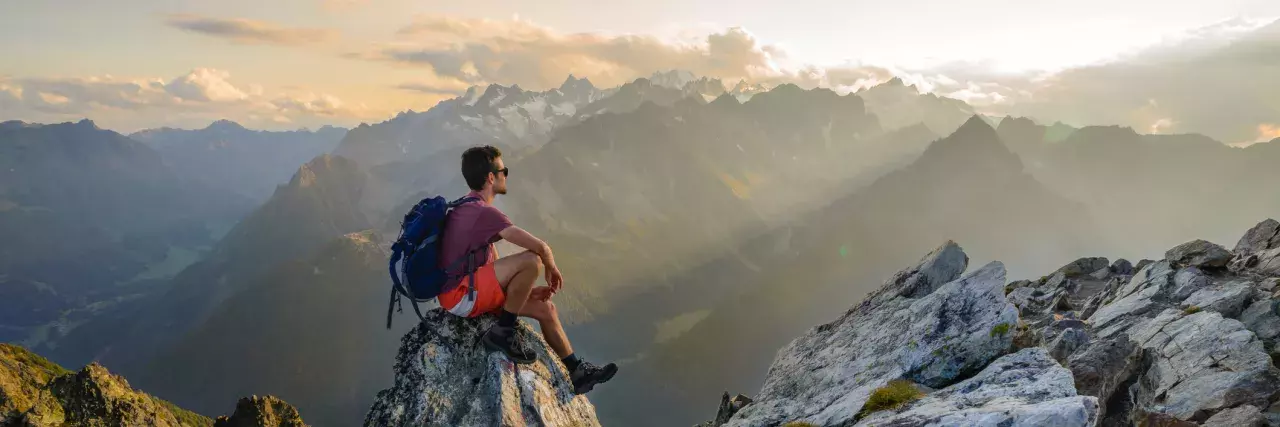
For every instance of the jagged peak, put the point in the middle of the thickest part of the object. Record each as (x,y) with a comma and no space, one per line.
(256,411)
(725,99)
(322,165)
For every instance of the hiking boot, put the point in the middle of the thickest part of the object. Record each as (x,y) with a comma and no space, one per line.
(508,342)
(586,376)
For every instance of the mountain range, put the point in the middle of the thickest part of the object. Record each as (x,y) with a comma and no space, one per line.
(692,221)
(228,157)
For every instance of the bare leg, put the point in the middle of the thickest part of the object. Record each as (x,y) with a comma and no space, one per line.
(516,274)
(545,313)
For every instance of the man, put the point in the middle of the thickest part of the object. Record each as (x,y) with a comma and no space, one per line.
(506,285)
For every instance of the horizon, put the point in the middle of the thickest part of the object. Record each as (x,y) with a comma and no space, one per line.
(308,63)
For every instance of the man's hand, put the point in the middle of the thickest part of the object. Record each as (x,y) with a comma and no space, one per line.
(542,293)
(554,279)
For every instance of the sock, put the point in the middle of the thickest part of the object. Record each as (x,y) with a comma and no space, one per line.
(571,361)
(507,319)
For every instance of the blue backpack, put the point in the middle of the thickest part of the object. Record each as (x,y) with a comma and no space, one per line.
(420,276)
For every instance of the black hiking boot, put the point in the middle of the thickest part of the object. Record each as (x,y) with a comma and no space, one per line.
(506,340)
(586,376)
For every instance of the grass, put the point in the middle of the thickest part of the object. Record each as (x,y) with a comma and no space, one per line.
(892,396)
(187,418)
(799,424)
(1191,310)
(1000,330)
(24,356)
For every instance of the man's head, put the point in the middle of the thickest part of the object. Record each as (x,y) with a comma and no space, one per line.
(483,168)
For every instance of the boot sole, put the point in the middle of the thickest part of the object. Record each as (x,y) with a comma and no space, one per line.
(584,388)
(492,346)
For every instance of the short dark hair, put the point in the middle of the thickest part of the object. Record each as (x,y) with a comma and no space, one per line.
(478,163)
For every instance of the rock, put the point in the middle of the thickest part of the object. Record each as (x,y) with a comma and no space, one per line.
(1032,301)
(1122,266)
(1244,416)
(1158,275)
(266,411)
(1026,388)
(1229,299)
(1203,363)
(1141,264)
(1187,281)
(1199,253)
(1261,318)
(924,325)
(95,396)
(1269,284)
(35,392)
(1259,249)
(1144,296)
(1261,238)
(23,380)
(943,265)
(728,407)
(1103,368)
(1083,266)
(1067,343)
(444,377)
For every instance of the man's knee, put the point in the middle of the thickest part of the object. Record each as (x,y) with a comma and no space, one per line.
(531,261)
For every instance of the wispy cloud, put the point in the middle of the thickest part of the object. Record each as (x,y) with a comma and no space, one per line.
(250,31)
(201,95)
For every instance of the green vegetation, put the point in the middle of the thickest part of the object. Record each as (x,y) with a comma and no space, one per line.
(24,356)
(1191,310)
(1000,330)
(798,424)
(187,418)
(892,396)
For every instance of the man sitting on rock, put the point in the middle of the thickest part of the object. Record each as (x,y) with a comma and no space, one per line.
(506,285)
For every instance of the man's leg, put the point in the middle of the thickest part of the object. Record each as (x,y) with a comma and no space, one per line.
(517,274)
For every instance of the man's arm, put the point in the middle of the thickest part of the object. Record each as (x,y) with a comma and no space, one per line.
(524,239)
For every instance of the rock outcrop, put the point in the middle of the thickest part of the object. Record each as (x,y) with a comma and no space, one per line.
(927,325)
(35,392)
(1186,340)
(445,377)
(1027,388)
(265,411)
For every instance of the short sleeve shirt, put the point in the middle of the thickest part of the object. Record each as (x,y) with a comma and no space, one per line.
(472,225)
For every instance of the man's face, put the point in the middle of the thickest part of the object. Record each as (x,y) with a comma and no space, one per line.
(499,178)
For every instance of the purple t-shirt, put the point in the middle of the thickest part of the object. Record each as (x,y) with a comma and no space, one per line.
(472,225)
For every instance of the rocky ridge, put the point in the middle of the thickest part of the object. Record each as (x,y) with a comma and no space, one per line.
(1185,340)
(35,392)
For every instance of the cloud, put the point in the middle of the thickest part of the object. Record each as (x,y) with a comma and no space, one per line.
(1219,81)
(197,97)
(1267,132)
(448,86)
(249,31)
(521,52)
(205,85)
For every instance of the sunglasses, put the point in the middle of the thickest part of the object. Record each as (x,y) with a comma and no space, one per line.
(503,171)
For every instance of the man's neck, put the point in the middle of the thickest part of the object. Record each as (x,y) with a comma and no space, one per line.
(487,195)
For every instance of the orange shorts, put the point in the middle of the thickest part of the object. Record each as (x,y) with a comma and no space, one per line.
(489,295)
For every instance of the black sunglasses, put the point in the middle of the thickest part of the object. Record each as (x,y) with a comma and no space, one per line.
(503,171)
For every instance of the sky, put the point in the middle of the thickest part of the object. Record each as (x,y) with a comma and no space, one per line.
(284,64)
